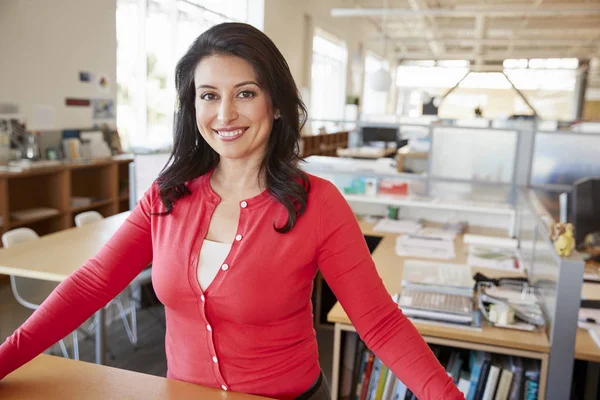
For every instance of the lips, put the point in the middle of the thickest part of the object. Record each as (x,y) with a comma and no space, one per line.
(229,133)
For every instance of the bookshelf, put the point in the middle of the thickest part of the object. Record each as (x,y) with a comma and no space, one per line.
(41,198)
(363,377)
(325,144)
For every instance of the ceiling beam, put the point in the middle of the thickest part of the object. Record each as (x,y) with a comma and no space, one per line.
(472,11)
(430,26)
(493,42)
(480,33)
(495,56)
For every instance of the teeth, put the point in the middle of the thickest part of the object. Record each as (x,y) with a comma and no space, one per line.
(230,133)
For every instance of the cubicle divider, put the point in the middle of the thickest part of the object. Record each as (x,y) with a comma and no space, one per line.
(558,282)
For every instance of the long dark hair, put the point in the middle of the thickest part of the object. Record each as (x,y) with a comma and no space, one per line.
(193,157)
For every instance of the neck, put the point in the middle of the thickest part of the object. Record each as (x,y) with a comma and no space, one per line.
(239,178)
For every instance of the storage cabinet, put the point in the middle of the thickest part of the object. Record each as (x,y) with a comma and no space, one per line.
(325,144)
(48,199)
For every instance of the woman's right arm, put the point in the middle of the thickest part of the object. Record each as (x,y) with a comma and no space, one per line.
(87,290)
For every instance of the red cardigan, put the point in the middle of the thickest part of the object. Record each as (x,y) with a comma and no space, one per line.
(252,329)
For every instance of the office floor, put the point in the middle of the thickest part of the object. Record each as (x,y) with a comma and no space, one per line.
(149,357)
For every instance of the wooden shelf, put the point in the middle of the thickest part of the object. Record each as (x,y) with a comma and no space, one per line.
(54,187)
(16,223)
(94,204)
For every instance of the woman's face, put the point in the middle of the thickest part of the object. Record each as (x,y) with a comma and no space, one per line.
(233,113)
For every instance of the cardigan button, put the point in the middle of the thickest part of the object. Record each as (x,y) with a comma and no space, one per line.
(223,387)
(243,204)
(238,237)
(225,267)
(209,328)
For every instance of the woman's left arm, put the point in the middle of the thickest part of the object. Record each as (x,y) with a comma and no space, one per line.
(346,264)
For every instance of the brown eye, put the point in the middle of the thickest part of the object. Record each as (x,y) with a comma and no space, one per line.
(208,96)
(247,94)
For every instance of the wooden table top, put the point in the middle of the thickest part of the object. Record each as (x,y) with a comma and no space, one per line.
(389,265)
(585,347)
(407,152)
(370,152)
(56,256)
(49,377)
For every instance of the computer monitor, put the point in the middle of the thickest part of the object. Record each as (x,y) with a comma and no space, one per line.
(585,207)
(372,134)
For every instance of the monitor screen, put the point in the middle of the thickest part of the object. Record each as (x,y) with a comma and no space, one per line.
(585,208)
(379,134)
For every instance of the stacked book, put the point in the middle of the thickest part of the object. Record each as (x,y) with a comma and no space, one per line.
(438,293)
(478,375)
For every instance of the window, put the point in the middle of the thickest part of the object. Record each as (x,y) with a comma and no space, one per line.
(374,102)
(328,77)
(151,37)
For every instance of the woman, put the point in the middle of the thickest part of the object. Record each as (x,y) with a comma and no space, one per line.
(235,232)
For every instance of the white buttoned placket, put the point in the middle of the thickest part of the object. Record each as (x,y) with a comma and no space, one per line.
(209,329)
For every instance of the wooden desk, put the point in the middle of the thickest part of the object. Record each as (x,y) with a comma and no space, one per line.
(404,152)
(585,348)
(49,377)
(534,345)
(56,256)
(369,152)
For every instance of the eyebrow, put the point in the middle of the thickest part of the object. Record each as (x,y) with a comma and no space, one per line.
(236,86)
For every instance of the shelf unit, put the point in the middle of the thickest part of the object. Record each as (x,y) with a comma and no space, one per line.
(537,354)
(325,144)
(105,181)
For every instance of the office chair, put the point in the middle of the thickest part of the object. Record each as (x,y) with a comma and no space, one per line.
(143,278)
(31,293)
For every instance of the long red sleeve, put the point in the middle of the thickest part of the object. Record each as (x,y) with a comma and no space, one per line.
(347,266)
(83,293)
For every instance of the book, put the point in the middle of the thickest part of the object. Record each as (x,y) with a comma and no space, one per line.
(358,368)
(464,383)
(366,375)
(348,365)
(495,258)
(374,379)
(421,246)
(483,377)
(516,388)
(382,382)
(504,384)
(532,381)
(449,278)
(388,389)
(492,383)
(476,359)
(400,390)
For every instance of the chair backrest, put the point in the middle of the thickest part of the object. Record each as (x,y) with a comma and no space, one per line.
(18,235)
(28,292)
(87,218)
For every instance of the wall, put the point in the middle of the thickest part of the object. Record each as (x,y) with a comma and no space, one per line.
(43,46)
(290,24)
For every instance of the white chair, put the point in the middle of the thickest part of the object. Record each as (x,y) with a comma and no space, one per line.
(87,218)
(31,293)
(143,278)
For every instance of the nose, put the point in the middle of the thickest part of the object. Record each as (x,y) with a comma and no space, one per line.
(227,111)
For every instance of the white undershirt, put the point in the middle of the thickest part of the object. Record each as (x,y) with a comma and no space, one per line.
(210,261)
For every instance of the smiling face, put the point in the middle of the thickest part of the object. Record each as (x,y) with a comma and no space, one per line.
(233,113)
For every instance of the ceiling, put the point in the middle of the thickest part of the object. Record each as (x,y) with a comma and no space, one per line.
(485,32)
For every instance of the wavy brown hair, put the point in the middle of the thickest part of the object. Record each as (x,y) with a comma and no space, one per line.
(193,157)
